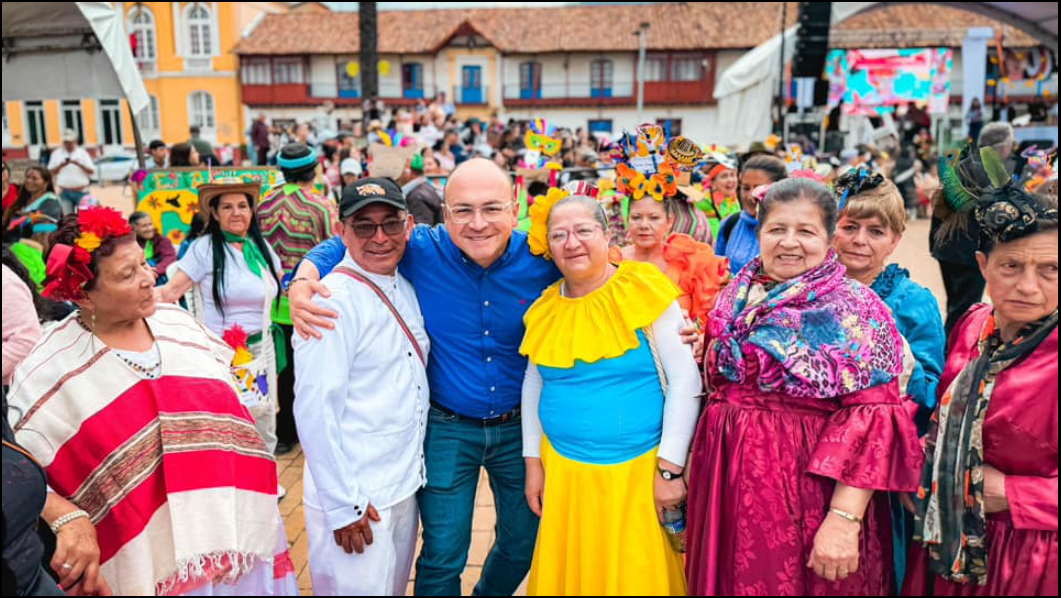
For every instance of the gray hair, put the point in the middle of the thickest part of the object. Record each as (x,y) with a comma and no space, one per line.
(998,136)
(789,190)
(591,206)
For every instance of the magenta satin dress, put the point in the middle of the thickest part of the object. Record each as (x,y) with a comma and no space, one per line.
(1020,440)
(764,467)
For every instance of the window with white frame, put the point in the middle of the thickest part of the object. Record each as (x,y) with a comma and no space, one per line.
(149,120)
(685,68)
(110,112)
(656,68)
(530,80)
(287,70)
(600,78)
(201,110)
(198,23)
(349,87)
(142,28)
(35,125)
(256,71)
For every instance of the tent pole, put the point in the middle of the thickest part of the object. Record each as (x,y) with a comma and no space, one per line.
(136,136)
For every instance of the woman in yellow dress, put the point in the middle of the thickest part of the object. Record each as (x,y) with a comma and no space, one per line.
(610,402)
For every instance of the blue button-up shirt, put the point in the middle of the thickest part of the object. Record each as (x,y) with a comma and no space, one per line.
(473,315)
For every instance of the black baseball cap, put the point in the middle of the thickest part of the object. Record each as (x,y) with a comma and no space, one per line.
(369,191)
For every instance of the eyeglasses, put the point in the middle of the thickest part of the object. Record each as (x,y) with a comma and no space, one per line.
(367,230)
(583,232)
(494,212)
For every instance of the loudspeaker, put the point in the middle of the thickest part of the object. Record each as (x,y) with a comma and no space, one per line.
(812,39)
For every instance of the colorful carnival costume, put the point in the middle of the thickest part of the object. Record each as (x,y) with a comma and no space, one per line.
(595,413)
(155,447)
(997,408)
(804,394)
(652,164)
(717,205)
(697,271)
(172,472)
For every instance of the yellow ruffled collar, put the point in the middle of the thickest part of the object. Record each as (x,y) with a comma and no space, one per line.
(601,325)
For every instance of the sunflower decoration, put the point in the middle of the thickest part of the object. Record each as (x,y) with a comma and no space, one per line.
(539,216)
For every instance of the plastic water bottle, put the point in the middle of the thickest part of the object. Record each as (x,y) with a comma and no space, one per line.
(674,525)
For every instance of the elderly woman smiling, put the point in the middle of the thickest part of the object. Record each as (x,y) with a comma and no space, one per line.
(986,508)
(610,401)
(130,408)
(804,425)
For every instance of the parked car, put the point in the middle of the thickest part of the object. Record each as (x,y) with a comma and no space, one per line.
(112,168)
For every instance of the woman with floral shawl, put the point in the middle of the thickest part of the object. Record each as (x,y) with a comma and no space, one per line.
(804,426)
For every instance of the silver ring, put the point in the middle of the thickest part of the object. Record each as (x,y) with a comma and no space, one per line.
(843,572)
(67,566)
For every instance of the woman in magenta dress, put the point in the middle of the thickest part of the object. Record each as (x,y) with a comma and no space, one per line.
(804,429)
(986,508)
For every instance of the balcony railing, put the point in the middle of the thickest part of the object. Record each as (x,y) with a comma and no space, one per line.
(573,89)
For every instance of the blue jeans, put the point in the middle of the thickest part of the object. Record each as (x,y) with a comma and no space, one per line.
(454,451)
(70,200)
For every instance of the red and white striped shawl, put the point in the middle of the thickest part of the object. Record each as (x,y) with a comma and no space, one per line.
(172,471)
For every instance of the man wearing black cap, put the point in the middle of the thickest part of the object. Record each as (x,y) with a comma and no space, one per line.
(362,403)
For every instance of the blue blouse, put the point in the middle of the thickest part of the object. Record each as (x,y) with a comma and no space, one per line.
(605,412)
(918,319)
(742,244)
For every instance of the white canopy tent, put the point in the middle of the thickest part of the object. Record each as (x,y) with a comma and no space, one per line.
(746,90)
(69,50)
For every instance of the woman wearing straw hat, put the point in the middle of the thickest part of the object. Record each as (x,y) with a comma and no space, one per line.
(237,274)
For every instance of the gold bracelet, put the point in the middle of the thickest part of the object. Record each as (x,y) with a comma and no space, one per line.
(845,515)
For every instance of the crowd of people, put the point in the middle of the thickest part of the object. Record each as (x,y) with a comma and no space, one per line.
(693,373)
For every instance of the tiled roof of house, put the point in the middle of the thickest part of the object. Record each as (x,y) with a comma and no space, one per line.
(676,26)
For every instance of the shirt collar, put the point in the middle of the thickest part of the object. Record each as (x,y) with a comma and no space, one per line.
(381,280)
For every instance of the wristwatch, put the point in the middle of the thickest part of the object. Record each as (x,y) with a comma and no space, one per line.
(669,475)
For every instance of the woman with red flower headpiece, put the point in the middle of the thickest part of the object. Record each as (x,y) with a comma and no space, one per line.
(131,410)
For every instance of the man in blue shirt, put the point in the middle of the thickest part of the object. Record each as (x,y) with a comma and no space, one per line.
(474,278)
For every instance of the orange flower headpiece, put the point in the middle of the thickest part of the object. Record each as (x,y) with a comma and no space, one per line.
(650,163)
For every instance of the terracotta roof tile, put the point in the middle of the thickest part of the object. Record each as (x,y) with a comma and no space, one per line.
(918,25)
(674,26)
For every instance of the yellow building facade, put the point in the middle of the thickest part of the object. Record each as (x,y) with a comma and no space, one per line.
(184,53)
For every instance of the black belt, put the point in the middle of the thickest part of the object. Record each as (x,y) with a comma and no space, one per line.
(493,421)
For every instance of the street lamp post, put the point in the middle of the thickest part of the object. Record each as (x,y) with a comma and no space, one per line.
(642,35)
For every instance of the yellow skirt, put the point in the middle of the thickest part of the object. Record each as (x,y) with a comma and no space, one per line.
(599,535)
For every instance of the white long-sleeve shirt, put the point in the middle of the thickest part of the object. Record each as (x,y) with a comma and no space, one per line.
(681,406)
(361,399)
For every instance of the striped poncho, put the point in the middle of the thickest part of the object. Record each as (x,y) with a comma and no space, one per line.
(178,483)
